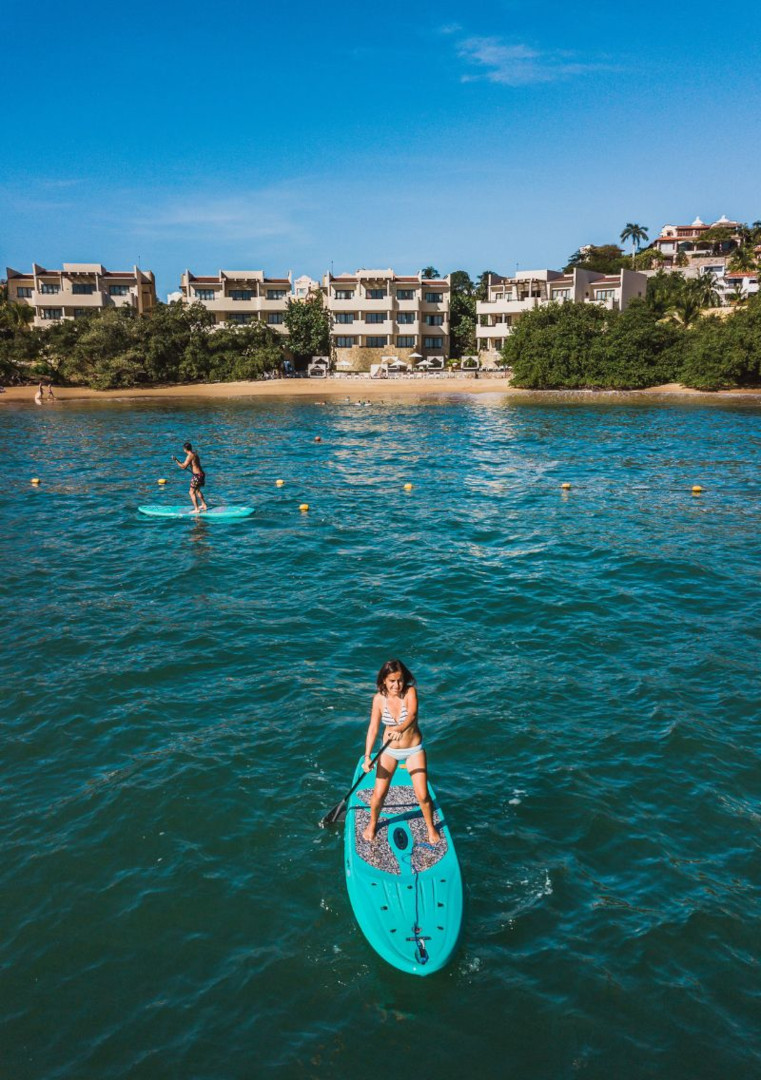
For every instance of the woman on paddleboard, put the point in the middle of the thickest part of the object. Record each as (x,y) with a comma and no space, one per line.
(197,478)
(395,707)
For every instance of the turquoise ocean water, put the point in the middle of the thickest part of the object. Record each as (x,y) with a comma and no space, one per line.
(183,701)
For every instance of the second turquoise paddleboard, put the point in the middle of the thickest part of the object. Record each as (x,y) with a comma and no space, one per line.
(216,513)
(406,893)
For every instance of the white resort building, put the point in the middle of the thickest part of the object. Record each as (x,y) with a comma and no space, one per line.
(377,316)
(240,296)
(686,245)
(79,289)
(510,298)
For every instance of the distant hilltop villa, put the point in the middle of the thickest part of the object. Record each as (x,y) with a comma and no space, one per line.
(377,315)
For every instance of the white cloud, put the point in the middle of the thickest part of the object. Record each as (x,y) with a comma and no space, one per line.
(245,216)
(494,60)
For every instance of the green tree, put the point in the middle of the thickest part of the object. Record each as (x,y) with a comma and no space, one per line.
(462,314)
(636,350)
(663,289)
(482,283)
(429,272)
(244,352)
(308,325)
(551,346)
(743,260)
(635,233)
(724,353)
(604,259)
(461,283)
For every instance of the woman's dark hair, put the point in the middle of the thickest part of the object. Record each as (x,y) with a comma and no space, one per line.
(393,667)
(187,446)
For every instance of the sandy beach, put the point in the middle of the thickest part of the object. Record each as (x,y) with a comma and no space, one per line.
(354,389)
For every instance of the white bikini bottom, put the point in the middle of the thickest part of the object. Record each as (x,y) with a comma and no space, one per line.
(402,753)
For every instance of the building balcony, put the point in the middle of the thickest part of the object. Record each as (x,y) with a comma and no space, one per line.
(509,307)
(343,305)
(373,329)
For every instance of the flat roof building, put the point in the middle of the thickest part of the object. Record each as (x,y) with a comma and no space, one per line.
(508,299)
(377,315)
(80,289)
(239,296)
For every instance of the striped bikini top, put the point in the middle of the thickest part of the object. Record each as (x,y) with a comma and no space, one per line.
(387,718)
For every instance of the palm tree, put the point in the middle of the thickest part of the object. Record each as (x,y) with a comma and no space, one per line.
(704,289)
(686,308)
(429,272)
(742,260)
(635,233)
(15,316)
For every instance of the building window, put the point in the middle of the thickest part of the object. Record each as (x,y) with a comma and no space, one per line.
(434,320)
(375,317)
(49,289)
(80,312)
(239,320)
(205,294)
(241,294)
(82,290)
(605,294)
(434,297)
(433,342)
(406,317)
(24,293)
(118,290)
(404,342)
(344,294)
(376,294)
(52,313)
(561,294)
(405,294)
(345,342)
(377,342)
(345,317)
(276,294)
(275,318)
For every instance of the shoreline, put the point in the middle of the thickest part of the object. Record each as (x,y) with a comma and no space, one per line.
(363,388)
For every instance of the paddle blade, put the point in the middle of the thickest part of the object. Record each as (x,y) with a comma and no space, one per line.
(336,815)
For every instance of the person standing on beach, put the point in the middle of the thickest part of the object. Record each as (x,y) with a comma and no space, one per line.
(197,479)
(38,395)
(50,391)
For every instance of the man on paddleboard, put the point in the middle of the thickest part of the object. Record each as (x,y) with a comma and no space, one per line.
(197,479)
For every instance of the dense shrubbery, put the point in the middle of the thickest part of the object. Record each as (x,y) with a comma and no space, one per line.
(582,346)
(116,348)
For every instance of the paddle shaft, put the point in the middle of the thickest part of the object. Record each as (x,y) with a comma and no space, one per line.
(332,815)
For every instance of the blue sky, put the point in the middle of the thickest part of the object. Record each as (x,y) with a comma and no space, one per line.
(300,136)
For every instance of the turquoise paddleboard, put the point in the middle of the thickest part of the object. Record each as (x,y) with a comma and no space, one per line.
(406,893)
(216,513)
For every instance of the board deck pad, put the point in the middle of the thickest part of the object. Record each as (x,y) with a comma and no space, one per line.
(379,854)
(218,513)
(406,893)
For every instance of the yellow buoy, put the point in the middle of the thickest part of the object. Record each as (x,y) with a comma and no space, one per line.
(304,506)
(162,481)
(408,487)
(279,483)
(35,479)
(565,487)
(696,489)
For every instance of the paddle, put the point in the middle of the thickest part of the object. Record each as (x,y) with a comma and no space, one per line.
(338,813)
